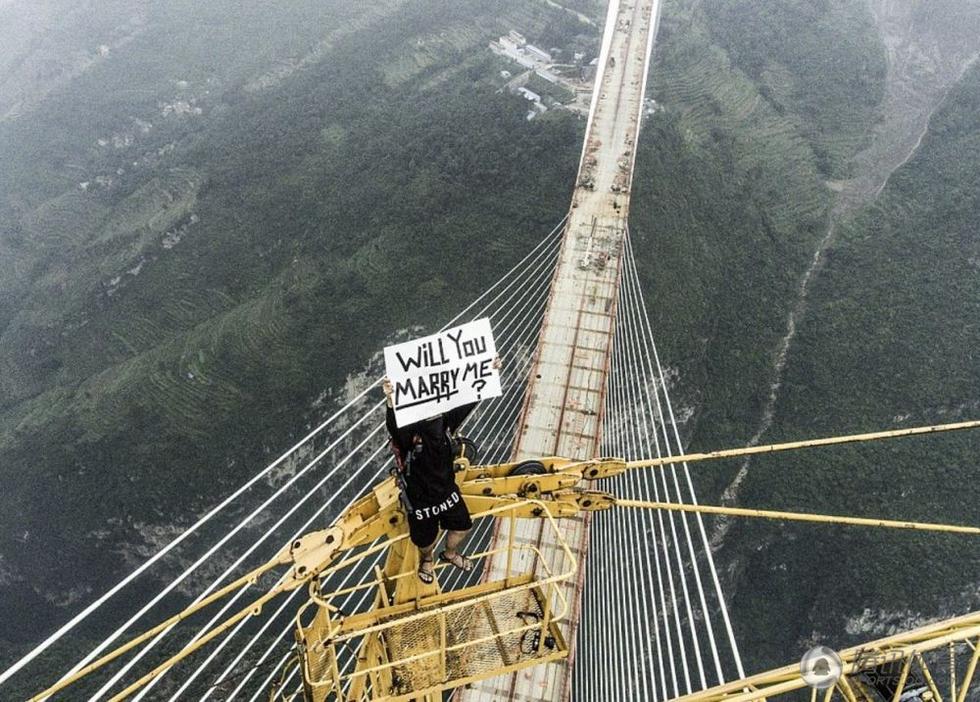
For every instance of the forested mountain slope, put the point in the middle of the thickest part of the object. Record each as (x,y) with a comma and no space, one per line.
(731,198)
(788,311)
(203,233)
(890,340)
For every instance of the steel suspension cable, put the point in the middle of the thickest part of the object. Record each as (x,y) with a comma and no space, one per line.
(296,534)
(107,642)
(628,531)
(264,685)
(201,560)
(629,374)
(630,292)
(207,627)
(636,440)
(642,438)
(600,574)
(599,586)
(221,506)
(491,428)
(522,335)
(81,616)
(608,557)
(514,383)
(639,486)
(350,575)
(645,320)
(333,470)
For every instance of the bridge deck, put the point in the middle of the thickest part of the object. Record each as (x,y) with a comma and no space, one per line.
(563,411)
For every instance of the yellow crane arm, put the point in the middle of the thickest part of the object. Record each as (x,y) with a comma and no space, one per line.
(809,443)
(800,516)
(246,579)
(309,555)
(904,646)
(489,488)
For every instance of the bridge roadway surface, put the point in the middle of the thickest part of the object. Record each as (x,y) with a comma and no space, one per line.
(563,411)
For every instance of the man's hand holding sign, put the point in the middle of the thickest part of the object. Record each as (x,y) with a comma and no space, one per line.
(433,384)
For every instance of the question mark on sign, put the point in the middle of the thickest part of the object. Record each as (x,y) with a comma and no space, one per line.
(478,385)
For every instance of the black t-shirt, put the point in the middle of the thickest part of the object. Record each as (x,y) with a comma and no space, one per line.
(427,451)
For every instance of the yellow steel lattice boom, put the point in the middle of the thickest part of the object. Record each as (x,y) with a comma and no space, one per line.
(416,640)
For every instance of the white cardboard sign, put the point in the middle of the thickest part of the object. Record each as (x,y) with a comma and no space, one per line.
(439,372)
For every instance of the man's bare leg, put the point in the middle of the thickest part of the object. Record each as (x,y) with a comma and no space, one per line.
(425,558)
(453,540)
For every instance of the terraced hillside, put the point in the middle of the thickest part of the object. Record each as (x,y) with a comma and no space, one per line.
(818,63)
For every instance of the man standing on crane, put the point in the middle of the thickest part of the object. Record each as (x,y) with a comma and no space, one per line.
(424,459)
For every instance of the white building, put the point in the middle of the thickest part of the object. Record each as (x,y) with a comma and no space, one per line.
(513,54)
(548,76)
(508,44)
(529,94)
(536,53)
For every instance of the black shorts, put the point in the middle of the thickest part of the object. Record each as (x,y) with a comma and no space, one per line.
(451,514)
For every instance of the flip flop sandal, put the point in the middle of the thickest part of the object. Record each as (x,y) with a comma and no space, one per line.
(424,575)
(459,560)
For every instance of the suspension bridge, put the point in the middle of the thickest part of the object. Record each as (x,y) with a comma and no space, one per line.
(596,577)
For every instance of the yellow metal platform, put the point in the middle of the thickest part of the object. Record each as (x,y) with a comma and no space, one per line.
(409,649)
